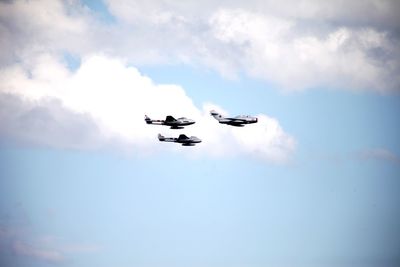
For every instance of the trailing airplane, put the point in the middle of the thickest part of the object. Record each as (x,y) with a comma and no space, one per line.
(182,139)
(238,121)
(171,121)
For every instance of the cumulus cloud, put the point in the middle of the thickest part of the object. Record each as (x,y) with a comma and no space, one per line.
(45,122)
(309,43)
(273,49)
(31,27)
(299,45)
(104,103)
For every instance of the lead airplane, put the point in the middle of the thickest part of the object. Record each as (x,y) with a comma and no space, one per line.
(182,139)
(171,121)
(238,121)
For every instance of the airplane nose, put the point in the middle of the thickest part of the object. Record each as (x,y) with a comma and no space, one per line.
(256,119)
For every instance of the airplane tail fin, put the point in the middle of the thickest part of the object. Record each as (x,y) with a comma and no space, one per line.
(147,119)
(216,115)
(161,137)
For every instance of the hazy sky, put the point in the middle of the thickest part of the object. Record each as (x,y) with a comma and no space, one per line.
(85,182)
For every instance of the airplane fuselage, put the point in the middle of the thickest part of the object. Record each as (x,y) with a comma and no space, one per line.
(178,123)
(238,121)
(171,122)
(182,139)
(190,141)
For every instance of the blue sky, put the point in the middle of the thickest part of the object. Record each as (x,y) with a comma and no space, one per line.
(85,182)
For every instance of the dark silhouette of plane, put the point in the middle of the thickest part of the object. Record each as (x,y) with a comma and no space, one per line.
(171,122)
(182,139)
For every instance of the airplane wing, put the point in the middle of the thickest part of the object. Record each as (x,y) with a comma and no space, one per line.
(170,119)
(236,120)
(239,124)
(183,137)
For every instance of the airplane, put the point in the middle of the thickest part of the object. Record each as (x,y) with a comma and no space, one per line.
(171,121)
(238,121)
(182,139)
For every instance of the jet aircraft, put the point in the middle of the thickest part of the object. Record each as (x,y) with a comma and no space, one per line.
(182,139)
(171,121)
(238,121)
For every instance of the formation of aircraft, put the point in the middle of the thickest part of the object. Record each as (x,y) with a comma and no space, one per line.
(238,121)
(180,123)
(182,139)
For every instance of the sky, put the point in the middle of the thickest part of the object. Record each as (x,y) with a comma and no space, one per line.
(84,180)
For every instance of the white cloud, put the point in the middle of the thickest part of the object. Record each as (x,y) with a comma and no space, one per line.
(272,49)
(380,154)
(296,45)
(31,27)
(41,254)
(45,122)
(375,12)
(105,101)
(17,242)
